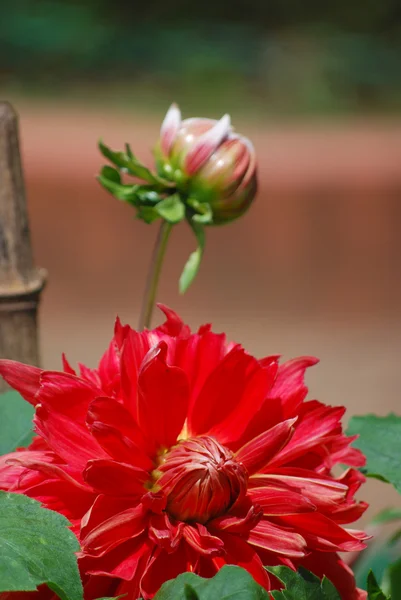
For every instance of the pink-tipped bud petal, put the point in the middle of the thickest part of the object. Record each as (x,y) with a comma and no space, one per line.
(169,128)
(250,174)
(206,144)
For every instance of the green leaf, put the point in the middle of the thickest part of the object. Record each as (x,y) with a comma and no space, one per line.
(132,165)
(302,585)
(113,597)
(15,422)
(395,580)
(374,591)
(377,557)
(171,209)
(388,515)
(230,583)
(36,547)
(192,265)
(190,593)
(380,440)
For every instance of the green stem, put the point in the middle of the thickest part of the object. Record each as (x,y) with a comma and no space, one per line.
(154,275)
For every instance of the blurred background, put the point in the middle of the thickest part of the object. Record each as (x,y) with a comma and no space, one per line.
(314,267)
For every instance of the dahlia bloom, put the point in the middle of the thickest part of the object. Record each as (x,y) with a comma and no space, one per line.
(181,452)
(208,162)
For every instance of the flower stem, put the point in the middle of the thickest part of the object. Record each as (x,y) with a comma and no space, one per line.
(154,275)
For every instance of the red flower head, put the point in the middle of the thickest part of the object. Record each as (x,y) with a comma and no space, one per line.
(184,453)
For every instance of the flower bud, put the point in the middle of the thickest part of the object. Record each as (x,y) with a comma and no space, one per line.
(209,163)
(201,479)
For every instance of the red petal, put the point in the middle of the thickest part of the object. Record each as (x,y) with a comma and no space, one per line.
(280,502)
(134,349)
(67,368)
(164,533)
(67,394)
(102,509)
(286,396)
(112,532)
(100,587)
(127,561)
(345,454)
(174,326)
(290,377)
(111,412)
(67,438)
(48,468)
(90,375)
(23,378)
(321,533)
(239,552)
(162,567)
(111,477)
(258,383)
(320,490)
(257,453)
(14,475)
(120,333)
(116,431)
(62,497)
(109,370)
(163,398)
(202,541)
(235,523)
(353,479)
(310,431)
(198,356)
(277,539)
(221,392)
(350,513)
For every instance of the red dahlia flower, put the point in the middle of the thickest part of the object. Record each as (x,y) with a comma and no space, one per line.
(184,453)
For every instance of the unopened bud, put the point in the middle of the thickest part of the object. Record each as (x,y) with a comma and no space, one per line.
(209,163)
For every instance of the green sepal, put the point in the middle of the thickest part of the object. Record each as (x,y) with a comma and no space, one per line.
(192,265)
(129,152)
(171,209)
(111,174)
(148,214)
(203,211)
(129,163)
(147,195)
(136,195)
(110,179)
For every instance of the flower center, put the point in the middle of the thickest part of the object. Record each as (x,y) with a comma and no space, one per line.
(201,479)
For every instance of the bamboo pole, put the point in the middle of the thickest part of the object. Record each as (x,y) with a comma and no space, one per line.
(20,282)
